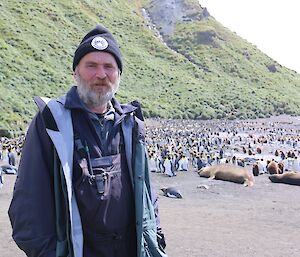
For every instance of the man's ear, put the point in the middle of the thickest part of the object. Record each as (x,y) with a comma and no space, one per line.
(75,74)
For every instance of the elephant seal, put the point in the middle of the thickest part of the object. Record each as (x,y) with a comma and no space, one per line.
(228,172)
(274,168)
(291,178)
(171,192)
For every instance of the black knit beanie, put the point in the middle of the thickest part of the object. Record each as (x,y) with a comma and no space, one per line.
(98,39)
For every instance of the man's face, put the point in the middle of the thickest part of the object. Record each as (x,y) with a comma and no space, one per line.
(98,79)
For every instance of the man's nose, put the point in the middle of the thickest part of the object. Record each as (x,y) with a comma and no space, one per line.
(101,73)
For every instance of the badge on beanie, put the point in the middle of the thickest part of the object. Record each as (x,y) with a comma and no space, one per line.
(99,43)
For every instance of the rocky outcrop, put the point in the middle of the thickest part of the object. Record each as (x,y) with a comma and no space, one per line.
(164,14)
(272,68)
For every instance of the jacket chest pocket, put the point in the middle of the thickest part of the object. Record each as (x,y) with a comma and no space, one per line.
(97,185)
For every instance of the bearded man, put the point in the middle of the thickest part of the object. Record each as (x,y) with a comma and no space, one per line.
(83,185)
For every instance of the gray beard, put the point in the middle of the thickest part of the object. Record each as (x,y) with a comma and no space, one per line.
(92,99)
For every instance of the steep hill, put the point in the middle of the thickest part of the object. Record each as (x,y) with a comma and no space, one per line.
(203,71)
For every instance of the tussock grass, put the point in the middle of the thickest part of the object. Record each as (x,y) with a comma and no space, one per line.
(213,73)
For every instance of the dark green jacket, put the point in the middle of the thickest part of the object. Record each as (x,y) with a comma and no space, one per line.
(68,235)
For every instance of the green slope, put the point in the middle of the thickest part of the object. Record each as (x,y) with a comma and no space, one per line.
(224,77)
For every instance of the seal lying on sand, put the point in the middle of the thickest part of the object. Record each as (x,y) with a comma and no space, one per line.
(171,192)
(291,178)
(228,172)
(275,168)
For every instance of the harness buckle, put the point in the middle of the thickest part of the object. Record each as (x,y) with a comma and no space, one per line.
(101,182)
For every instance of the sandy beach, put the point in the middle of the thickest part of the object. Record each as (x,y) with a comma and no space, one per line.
(225,220)
(221,219)
(228,219)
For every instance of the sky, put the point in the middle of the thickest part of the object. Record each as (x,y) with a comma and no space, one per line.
(272,25)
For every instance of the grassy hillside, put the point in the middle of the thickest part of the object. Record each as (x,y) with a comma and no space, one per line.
(224,77)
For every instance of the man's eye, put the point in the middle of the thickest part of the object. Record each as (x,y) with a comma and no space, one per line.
(90,65)
(109,66)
